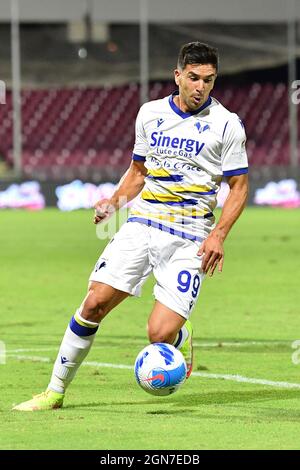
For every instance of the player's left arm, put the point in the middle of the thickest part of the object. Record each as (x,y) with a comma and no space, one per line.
(212,248)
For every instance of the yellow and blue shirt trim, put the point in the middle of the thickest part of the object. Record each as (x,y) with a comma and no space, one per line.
(165,228)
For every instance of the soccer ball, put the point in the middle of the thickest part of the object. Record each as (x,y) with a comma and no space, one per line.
(160,369)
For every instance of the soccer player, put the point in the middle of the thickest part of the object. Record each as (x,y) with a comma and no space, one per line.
(185,145)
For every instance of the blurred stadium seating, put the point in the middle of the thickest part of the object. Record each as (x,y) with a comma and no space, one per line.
(78,113)
(89,132)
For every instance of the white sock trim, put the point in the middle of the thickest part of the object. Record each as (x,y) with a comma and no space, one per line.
(88,322)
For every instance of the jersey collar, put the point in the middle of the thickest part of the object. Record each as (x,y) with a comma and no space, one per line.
(191,113)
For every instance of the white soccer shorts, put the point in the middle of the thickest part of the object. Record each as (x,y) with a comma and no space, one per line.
(136,250)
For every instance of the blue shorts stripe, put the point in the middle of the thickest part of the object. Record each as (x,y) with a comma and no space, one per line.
(81,330)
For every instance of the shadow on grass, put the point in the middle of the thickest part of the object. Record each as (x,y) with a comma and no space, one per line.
(196,400)
(221,398)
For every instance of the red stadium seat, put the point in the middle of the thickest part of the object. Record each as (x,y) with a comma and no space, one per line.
(65,130)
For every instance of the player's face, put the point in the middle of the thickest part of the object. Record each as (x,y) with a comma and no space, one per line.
(195,83)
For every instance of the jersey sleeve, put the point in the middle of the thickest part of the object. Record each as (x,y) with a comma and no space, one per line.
(140,148)
(234,156)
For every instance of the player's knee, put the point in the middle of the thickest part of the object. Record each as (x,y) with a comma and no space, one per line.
(157,335)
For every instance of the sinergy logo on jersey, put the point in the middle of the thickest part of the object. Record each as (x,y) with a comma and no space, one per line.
(173,146)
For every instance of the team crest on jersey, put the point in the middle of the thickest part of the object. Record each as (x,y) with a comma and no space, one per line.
(200,129)
(99,265)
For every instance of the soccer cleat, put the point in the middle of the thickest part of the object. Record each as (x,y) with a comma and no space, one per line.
(47,400)
(187,348)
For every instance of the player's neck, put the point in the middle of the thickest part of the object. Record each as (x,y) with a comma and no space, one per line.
(180,104)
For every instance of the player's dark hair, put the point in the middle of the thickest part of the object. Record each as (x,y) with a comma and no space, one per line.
(197,53)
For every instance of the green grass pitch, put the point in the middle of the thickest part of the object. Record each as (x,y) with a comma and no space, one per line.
(245,322)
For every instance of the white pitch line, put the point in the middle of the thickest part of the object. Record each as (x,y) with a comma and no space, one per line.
(206,375)
(241,343)
(31,350)
(29,358)
(219,344)
(240,378)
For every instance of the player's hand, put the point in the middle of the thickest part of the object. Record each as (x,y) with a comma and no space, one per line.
(103,210)
(212,252)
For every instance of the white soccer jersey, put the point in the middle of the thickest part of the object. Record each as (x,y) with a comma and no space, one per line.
(186,155)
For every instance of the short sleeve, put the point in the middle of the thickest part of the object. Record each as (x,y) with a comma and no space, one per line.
(140,148)
(234,156)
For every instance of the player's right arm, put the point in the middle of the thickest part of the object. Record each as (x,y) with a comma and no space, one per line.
(130,185)
(132,182)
